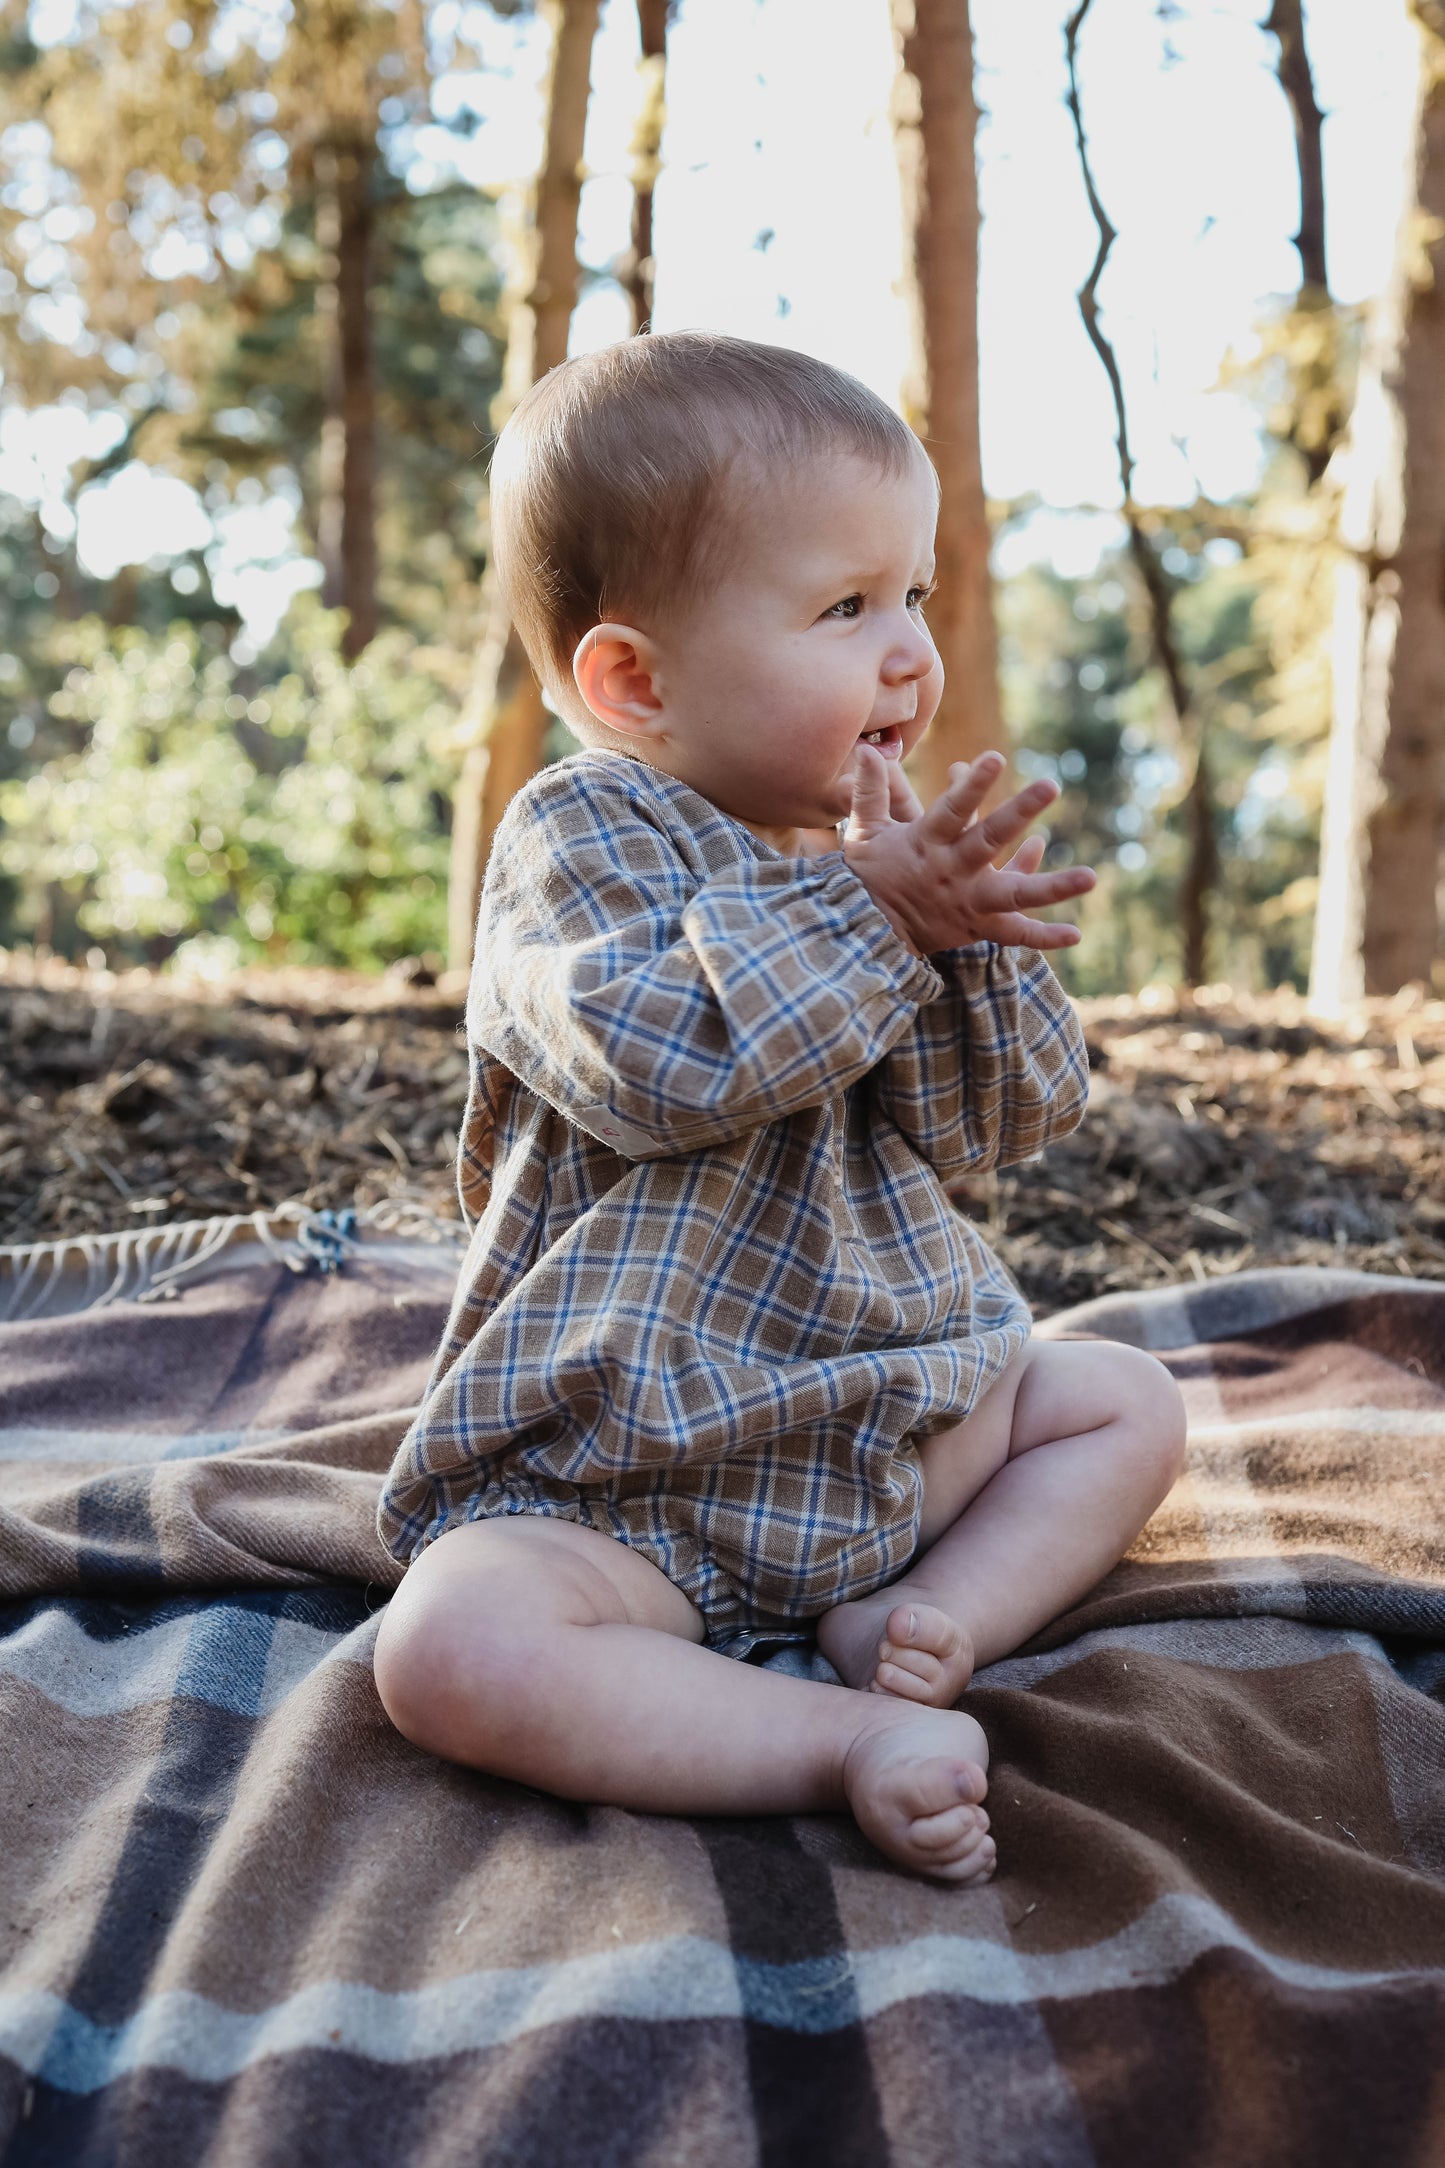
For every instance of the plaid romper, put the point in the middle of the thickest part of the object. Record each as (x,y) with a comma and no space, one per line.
(716,1290)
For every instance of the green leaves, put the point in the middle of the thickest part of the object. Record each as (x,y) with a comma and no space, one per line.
(300,821)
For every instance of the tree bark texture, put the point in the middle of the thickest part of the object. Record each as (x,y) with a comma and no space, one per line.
(505,722)
(346,524)
(637,267)
(935,121)
(1377,922)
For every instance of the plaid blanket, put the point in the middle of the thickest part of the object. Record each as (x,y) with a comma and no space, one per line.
(244,1922)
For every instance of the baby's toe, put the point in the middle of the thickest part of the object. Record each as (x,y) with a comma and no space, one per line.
(951,1834)
(924,1656)
(938,1787)
(975,1861)
(923,1626)
(921,1662)
(909,1684)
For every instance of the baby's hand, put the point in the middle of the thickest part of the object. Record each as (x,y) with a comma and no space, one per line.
(932,874)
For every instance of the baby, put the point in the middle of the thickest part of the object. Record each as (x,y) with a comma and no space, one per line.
(726,1368)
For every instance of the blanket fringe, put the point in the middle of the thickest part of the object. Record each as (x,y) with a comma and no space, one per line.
(151,1264)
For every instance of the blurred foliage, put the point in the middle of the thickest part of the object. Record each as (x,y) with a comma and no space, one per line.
(162,786)
(1299,367)
(438,351)
(1087,707)
(297,814)
(161,270)
(296,810)
(160,265)
(1253,604)
(154,150)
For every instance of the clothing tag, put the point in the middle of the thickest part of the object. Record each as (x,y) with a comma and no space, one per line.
(603,1124)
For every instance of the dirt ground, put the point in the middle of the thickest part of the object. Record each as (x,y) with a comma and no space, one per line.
(1224,1132)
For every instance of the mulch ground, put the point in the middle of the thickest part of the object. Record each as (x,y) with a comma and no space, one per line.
(1224,1132)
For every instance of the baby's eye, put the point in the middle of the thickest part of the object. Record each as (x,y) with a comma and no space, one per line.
(850,606)
(917,596)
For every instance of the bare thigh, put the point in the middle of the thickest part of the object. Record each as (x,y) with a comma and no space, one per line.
(1053,1389)
(467,1651)
(573,1574)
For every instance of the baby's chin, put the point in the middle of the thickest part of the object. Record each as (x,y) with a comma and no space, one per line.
(825,816)
(831,803)
(834,801)
(809,830)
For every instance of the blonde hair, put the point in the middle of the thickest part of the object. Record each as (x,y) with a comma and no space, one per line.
(615,483)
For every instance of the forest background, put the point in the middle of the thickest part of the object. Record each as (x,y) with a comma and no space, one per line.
(271,275)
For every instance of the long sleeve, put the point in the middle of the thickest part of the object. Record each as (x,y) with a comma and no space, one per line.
(995,1066)
(653,1000)
(721,1360)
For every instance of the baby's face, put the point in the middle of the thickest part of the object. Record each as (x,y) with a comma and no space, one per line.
(812,640)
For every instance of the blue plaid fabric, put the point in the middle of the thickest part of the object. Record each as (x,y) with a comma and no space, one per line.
(716,1290)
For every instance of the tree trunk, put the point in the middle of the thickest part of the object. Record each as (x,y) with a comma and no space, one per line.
(1315,406)
(503,750)
(505,720)
(636,270)
(1286,21)
(358,401)
(346,522)
(1201,871)
(331,447)
(1377,923)
(935,121)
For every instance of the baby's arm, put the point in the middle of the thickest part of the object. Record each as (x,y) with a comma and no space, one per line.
(993,1070)
(994,1067)
(617,980)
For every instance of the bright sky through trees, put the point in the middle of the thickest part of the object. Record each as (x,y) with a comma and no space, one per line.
(777,217)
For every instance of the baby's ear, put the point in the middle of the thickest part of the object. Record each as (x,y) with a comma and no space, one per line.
(615,670)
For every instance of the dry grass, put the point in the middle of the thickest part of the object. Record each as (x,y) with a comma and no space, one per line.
(1224,1133)
(1228,1133)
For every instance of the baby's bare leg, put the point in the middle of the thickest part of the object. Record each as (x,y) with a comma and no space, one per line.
(1025,1506)
(545,1652)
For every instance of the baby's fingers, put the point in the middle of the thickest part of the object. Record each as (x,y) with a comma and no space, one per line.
(870,794)
(1016,931)
(1008,821)
(1009,897)
(1032,891)
(969,783)
(1029,856)
(903,799)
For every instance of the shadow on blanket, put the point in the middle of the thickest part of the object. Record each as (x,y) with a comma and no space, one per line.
(244,1922)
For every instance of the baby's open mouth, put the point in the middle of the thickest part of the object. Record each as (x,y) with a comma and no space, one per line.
(889,741)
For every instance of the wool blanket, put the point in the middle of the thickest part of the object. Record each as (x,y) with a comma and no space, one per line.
(243,1922)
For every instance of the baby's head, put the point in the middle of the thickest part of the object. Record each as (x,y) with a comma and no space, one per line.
(717,553)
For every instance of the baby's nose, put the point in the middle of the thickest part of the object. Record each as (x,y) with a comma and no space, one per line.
(912,656)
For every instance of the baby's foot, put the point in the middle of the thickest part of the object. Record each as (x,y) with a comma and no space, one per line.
(912,1650)
(914,1781)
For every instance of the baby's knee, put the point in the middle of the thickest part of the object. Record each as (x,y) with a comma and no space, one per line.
(456,1647)
(415,1663)
(403,1667)
(1151,1407)
(470,1644)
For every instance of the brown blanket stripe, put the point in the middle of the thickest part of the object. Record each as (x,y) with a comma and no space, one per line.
(243,1922)
(812,2087)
